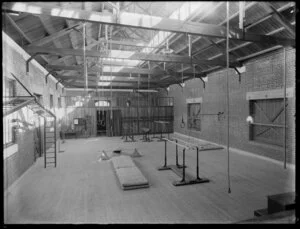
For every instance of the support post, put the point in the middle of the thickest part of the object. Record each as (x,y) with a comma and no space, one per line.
(165,167)
(165,153)
(202,82)
(284,105)
(46,78)
(183,164)
(45,123)
(176,153)
(227,82)
(55,140)
(197,176)
(237,71)
(57,83)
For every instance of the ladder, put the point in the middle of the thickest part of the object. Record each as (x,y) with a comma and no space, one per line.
(50,148)
(13,104)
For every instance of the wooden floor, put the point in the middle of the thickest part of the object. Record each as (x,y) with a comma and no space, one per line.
(84,190)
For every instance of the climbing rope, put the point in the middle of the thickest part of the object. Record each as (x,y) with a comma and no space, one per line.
(111,114)
(227,81)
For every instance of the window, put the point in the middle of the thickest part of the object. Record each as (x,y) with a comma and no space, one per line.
(267,116)
(102,103)
(59,102)
(8,129)
(194,122)
(78,104)
(51,101)
(9,88)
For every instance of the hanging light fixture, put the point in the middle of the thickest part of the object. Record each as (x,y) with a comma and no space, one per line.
(167,50)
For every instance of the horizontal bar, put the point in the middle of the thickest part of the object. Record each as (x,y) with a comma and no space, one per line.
(183,146)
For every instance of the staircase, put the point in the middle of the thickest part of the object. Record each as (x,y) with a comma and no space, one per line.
(13,104)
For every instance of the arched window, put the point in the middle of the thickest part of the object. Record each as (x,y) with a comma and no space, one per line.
(102,103)
(78,104)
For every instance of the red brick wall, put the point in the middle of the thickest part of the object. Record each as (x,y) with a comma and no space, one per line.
(262,73)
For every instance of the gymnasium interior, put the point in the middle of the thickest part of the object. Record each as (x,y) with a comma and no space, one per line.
(154,112)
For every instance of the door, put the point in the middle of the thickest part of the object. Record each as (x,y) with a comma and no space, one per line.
(113,126)
(101,122)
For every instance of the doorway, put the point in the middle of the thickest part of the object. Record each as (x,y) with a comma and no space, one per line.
(101,122)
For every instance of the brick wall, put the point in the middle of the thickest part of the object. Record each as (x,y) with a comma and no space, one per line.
(14,61)
(262,73)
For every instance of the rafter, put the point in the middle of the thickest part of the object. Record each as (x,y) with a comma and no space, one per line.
(115,78)
(247,27)
(288,26)
(125,7)
(145,22)
(129,55)
(14,24)
(50,30)
(56,35)
(71,36)
(96,69)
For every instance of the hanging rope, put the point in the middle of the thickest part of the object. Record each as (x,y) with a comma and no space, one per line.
(182,124)
(85,72)
(138,112)
(148,95)
(111,114)
(227,81)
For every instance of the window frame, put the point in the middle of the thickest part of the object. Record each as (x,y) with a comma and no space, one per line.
(51,101)
(59,102)
(75,105)
(108,101)
(189,118)
(10,87)
(252,138)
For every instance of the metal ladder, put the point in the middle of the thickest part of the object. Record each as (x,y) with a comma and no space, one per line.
(50,147)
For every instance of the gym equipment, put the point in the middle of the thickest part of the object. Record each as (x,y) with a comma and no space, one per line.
(136,153)
(203,147)
(117,151)
(128,130)
(122,162)
(163,127)
(146,132)
(165,167)
(103,156)
(129,176)
(187,179)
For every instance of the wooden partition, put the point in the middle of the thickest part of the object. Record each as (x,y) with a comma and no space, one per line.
(145,117)
(137,116)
